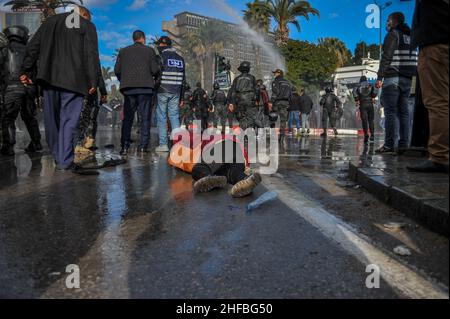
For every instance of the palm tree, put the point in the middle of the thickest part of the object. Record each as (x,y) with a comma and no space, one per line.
(107,73)
(48,7)
(335,45)
(204,43)
(285,12)
(256,18)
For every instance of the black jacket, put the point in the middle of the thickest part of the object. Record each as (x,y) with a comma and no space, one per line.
(294,103)
(137,66)
(281,90)
(330,101)
(67,58)
(393,42)
(430,23)
(306,104)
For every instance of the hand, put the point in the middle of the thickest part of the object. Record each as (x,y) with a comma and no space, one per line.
(270,106)
(104,99)
(181,103)
(25,80)
(231,108)
(379,84)
(92,91)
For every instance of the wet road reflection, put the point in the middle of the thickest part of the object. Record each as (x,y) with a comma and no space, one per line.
(137,230)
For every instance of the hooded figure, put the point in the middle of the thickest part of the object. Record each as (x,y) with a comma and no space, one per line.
(365,95)
(17,97)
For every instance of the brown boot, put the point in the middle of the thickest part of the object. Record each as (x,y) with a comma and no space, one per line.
(246,187)
(208,183)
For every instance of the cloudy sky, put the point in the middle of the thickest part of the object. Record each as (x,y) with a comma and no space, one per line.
(344,19)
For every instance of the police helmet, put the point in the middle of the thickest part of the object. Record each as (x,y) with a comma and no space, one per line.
(17,32)
(328,89)
(244,67)
(164,40)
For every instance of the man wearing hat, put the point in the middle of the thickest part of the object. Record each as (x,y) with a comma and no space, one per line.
(281,95)
(170,91)
(243,97)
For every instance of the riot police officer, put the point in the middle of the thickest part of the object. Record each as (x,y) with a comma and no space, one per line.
(3,54)
(187,115)
(330,104)
(219,102)
(200,106)
(17,97)
(244,96)
(364,96)
(89,115)
(281,95)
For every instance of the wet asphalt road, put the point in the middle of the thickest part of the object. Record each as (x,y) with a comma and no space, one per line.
(138,231)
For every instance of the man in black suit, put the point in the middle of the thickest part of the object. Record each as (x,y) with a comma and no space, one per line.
(67,63)
(138,69)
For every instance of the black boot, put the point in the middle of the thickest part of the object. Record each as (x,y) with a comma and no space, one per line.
(34,147)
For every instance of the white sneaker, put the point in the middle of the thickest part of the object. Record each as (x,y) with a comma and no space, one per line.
(162,149)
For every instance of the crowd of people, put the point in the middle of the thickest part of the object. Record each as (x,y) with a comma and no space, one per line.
(64,69)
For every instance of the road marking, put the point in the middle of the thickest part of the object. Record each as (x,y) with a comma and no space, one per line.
(411,283)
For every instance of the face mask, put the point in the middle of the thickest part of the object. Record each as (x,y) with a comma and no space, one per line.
(161,49)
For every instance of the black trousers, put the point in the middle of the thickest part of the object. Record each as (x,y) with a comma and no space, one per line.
(234,172)
(19,102)
(328,116)
(368,119)
(141,103)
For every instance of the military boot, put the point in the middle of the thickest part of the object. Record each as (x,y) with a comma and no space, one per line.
(246,187)
(208,183)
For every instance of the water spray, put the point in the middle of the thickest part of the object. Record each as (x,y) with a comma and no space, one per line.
(256,38)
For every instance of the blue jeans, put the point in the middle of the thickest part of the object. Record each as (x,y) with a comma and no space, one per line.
(394,98)
(143,104)
(294,116)
(305,121)
(167,104)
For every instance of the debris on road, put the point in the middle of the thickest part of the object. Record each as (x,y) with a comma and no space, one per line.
(394,225)
(265,198)
(402,251)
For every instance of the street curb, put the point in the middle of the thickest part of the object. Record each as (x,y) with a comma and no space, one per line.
(431,213)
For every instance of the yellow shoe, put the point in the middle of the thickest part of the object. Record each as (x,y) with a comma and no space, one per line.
(89,143)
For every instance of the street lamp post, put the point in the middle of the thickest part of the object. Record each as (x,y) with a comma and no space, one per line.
(381,8)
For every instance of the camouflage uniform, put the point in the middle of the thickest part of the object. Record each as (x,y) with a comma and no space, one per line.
(219,100)
(243,95)
(281,94)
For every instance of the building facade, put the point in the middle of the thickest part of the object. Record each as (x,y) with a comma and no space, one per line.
(30,19)
(237,51)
